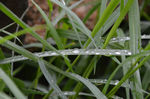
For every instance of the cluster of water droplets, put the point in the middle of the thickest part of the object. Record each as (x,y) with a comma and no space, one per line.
(69,52)
(121,39)
(104,81)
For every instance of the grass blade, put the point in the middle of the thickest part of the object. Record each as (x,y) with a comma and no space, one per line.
(50,27)
(135,46)
(14,89)
(94,89)
(50,80)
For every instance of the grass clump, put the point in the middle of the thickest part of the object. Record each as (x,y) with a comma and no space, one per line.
(108,61)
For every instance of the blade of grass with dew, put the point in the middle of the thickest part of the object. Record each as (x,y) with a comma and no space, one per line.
(5,10)
(87,72)
(71,52)
(70,93)
(125,67)
(135,46)
(14,89)
(93,88)
(50,80)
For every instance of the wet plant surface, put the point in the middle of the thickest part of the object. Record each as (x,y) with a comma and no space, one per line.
(74,49)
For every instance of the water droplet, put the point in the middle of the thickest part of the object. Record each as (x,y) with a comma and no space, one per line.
(76,51)
(86,52)
(129,53)
(118,53)
(53,53)
(116,83)
(97,53)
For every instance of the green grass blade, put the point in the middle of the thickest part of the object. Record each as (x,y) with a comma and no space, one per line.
(51,28)
(119,20)
(135,46)
(108,11)
(103,6)
(4,96)
(50,80)
(77,21)
(93,88)
(146,80)
(14,89)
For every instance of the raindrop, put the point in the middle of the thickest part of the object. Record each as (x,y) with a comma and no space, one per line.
(87,52)
(76,51)
(129,53)
(97,53)
(53,53)
(118,53)
(116,83)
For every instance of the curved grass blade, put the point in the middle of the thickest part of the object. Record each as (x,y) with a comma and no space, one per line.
(50,80)
(93,88)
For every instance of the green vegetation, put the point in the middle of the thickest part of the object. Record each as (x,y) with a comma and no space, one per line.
(111,60)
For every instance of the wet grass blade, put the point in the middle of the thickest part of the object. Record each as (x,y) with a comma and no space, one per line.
(135,46)
(92,87)
(50,80)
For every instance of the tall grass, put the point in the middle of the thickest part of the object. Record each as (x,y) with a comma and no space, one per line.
(110,62)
